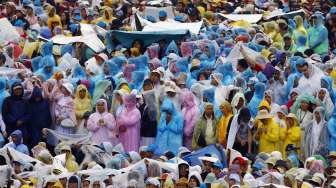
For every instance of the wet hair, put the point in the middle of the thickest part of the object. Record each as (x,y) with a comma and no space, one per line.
(73,179)
(243,63)
(244,114)
(309,52)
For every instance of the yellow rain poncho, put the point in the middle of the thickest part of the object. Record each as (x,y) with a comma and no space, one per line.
(107,17)
(272,31)
(82,105)
(223,122)
(290,135)
(53,17)
(269,138)
(264,105)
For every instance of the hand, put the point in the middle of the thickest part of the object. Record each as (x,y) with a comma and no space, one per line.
(4,134)
(45,131)
(101,122)
(19,123)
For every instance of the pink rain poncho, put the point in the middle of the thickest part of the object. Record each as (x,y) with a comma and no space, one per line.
(129,124)
(190,113)
(105,133)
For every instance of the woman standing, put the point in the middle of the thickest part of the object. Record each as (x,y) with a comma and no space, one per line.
(170,128)
(102,124)
(190,113)
(205,132)
(292,133)
(129,122)
(82,106)
(224,122)
(317,136)
(65,111)
(240,134)
(39,116)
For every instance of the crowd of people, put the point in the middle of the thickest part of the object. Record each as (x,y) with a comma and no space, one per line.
(104,93)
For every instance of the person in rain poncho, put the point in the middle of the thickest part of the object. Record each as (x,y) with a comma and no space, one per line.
(82,104)
(324,97)
(316,136)
(224,122)
(238,102)
(256,99)
(128,122)
(190,113)
(205,132)
(65,111)
(149,113)
(300,30)
(39,116)
(102,124)
(170,128)
(107,16)
(240,135)
(53,19)
(311,74)
(15,110)
(291,134)
(268,132)
(17,142)
(318,35)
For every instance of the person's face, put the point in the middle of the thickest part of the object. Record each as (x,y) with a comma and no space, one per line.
(82,93)
(15,139)
(268,98)
(293,95)
(183,170)
(202,77)
(179,7)
(305,71)
(240,103)
(216,171)
(224,110)
(72,185)
(106,69)
(317,116)
(168,116)
(18,91)
(276,75)
(137,45)
(208,111)
(85,184)
(101,107)
(304,106)
(321,95)
(193,182)
(154,77)
(63,181)
(147,87)
(207,166)
(290,122)
(232,182)
(17,168)
(281,115)
(96,184)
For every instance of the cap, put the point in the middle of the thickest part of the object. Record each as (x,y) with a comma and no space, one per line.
(162,13)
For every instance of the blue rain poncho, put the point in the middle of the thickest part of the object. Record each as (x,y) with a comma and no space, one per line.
(3,92)
(226,70)
(256,99)
(172,48)
(327,82)
(138,78)
(169,135)
(332,131)
(318,36)
(140,62)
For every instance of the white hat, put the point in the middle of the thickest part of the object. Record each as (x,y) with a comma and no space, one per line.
(153,181)
(263,114)
(69,87)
